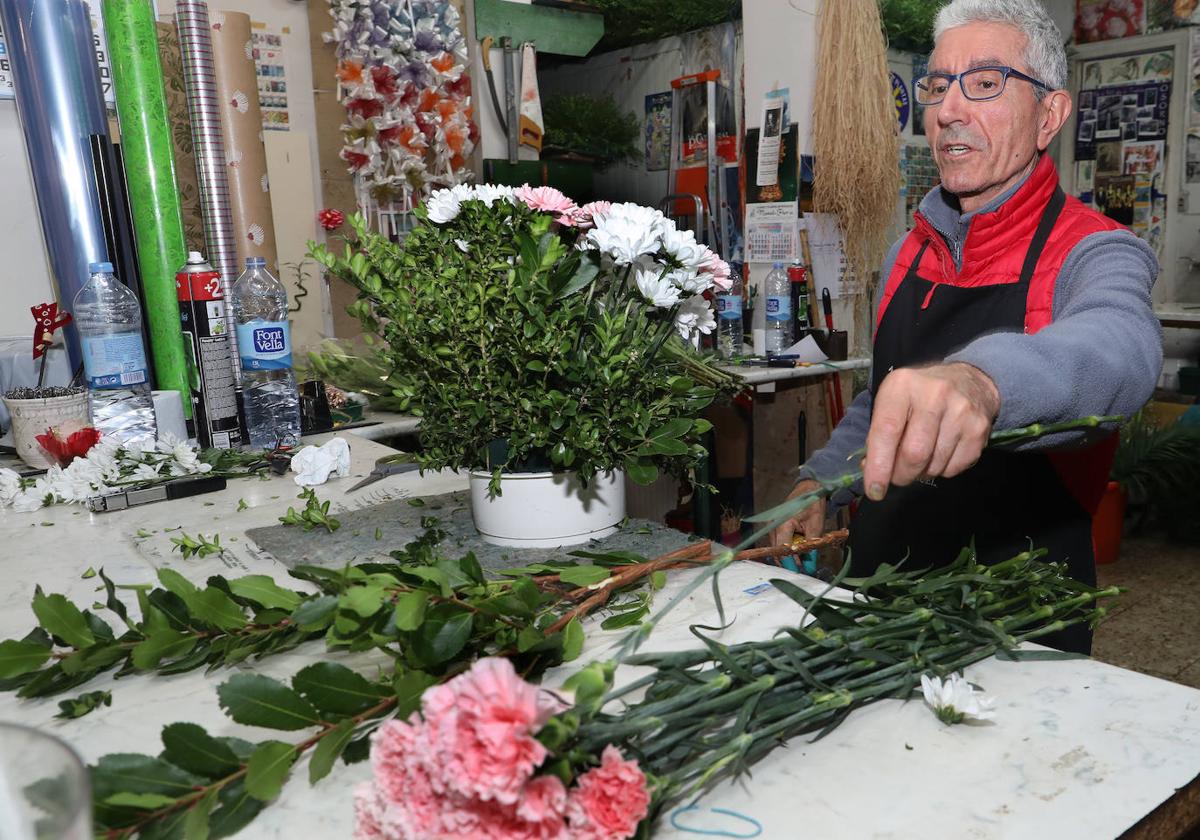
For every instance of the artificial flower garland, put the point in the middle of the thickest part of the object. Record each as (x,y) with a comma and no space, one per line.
(402,74)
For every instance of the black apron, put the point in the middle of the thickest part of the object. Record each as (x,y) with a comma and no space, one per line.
(1006,503)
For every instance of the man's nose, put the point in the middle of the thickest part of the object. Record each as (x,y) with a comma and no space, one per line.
(955,108)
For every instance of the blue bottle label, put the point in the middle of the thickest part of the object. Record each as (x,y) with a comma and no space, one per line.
(729,307)
(779,308)
(114,361)
(264,345)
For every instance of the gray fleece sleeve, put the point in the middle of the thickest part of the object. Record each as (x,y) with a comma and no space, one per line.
(1101,354)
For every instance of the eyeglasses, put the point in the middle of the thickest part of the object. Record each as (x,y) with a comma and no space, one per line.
(978,84)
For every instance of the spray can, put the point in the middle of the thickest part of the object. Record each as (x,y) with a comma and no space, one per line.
(210,351)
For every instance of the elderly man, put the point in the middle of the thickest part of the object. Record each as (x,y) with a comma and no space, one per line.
(1007,304)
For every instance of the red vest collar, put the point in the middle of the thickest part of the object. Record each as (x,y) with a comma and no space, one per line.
(994,235)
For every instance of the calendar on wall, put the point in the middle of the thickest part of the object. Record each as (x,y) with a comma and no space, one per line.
(771,232)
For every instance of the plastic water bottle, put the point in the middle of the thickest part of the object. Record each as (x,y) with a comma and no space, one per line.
(109,320)
(779,309)
(729,318)
(272,406)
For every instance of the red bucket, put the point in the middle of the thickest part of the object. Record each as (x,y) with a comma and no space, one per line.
(1107,525)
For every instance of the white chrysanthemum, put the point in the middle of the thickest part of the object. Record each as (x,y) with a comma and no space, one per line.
(146,472)
(28,500)
(10,485)
(682,245)
(491,193)
(695,317)
(462,245)
(627,231)
(955,700)
(656,288)
(691,281)
(443,205)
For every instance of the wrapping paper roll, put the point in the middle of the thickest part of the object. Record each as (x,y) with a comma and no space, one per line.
(171,61)
(57,88)
(204,108)
(150,179)
(241,120)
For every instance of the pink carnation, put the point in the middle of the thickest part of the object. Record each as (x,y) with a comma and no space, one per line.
(402,804)
(481,726)
(548,200)
(718,268)
(585,216)
(539,815)
(608,801)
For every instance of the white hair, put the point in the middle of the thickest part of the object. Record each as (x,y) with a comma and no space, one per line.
(1045,54)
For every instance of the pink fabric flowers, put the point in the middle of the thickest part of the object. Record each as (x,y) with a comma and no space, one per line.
(464,769)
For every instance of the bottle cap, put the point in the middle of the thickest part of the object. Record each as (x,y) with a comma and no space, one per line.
(100,267)
(194,258)
(777,264)
(256,262)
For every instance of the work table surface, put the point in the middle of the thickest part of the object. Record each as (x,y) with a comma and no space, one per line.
(1078,749)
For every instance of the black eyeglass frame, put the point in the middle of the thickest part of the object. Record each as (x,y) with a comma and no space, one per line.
(1004,71)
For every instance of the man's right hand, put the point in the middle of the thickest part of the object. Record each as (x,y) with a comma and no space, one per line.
(809,523)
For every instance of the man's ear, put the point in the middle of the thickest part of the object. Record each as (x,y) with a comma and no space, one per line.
(1053,111)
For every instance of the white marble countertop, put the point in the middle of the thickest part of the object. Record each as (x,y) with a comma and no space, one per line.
(1078,750)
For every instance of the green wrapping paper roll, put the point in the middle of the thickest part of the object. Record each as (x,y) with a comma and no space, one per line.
(150,179)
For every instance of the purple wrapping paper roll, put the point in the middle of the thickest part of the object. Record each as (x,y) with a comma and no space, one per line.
(57,87)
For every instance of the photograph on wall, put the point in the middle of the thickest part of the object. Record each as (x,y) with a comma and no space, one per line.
(1085,174)
(1102,20)
(1108,159)
(272,77)
(1132,112)
(920,66)
(1114,197)
(1193,156)
(1142,159)
(713,48)
(788,162)
(658,131)
(1194,86)
(1128,69)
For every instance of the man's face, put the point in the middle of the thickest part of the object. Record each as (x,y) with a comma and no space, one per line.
(983,148)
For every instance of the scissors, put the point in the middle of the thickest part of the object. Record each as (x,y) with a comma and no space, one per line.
(401,462)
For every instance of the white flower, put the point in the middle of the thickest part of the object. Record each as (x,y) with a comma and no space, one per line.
(490,193)
(694,317)
(655,288)
(462,245)
(10,485)
(145,472)
(29,500)
(627,231)
(691,281)
(955,700)
(443,205)
(682,245)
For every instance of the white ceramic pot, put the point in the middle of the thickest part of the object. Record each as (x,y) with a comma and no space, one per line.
(547,510)
(31,418)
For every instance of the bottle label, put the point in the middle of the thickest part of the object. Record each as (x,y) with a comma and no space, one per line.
(264,345)
(729,307)
(779,308)
(114,361)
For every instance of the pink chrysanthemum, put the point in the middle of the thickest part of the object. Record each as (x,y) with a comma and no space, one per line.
(549,200)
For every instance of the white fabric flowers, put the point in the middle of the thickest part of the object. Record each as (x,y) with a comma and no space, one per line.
(955,700)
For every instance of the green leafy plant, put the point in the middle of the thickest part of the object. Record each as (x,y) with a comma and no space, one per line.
(315,513)
(592,126)
(628,22)
(1158,468)
(367,372)
(522,351)
(909,23)
(197,546)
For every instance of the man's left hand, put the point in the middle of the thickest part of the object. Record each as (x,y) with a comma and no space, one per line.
(928,422)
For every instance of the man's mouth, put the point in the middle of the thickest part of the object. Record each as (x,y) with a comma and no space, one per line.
(956,149)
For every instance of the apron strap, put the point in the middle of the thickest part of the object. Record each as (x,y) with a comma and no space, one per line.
(1042,234)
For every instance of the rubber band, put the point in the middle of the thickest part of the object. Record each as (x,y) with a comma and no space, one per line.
(720,832)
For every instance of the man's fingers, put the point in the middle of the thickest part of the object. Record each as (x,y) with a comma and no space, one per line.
(889,417)
(918,445)
(782,535)
(948,437)
(969,449)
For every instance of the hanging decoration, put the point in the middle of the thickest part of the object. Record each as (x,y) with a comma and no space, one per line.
(402,78)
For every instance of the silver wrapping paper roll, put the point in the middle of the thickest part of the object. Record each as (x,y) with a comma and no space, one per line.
(57,88)
(200,83)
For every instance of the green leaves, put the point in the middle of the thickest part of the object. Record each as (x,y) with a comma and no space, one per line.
(165,644)
(17,658)
(188,746)
(267,769)
(61,618)
(256,700)
(443,634)
(263,590)
(410,610)
(583,575)
(83,704)
(336,689)
(328,750)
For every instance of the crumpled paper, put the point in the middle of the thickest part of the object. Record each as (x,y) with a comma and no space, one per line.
(314,465)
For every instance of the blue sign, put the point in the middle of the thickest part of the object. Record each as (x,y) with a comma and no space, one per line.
(900,99)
